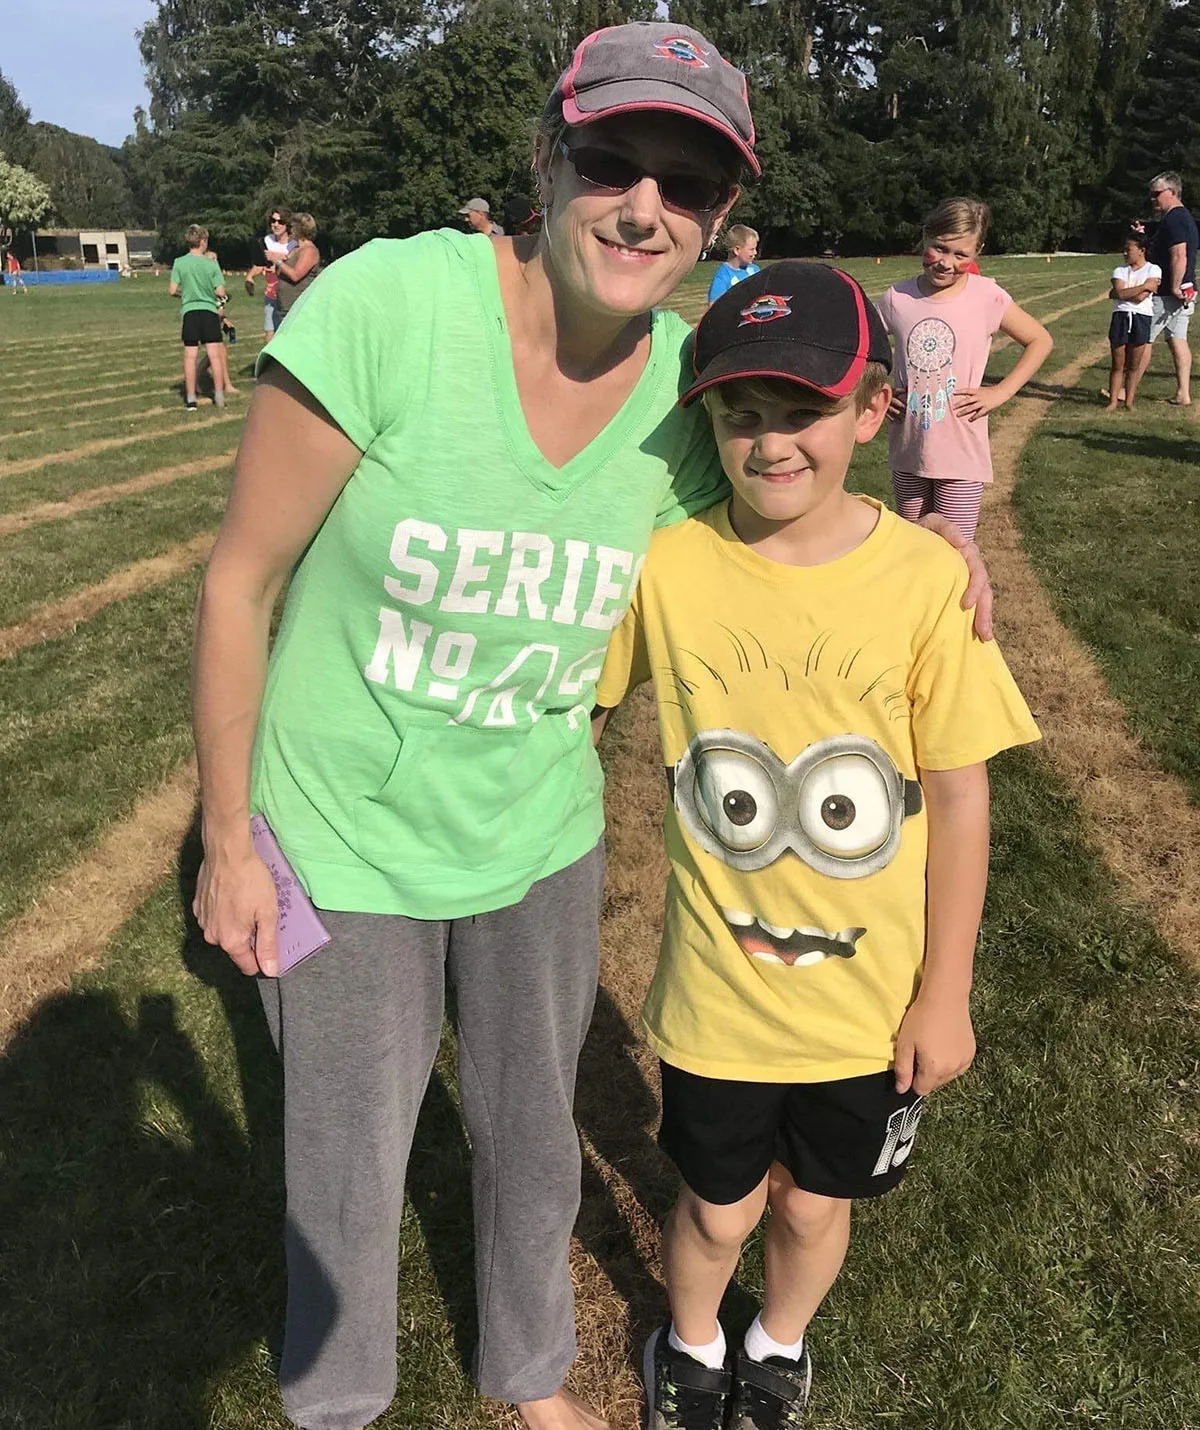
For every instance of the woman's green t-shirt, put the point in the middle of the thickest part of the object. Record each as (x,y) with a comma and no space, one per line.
(424,746)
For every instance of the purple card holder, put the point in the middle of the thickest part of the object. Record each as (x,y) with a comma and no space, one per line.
(298,930)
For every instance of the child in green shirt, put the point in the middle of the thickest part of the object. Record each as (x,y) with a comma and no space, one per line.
(200,284)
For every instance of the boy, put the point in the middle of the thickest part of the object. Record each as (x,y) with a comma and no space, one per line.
(1133,288)
(199,282)
(825,714)
(740,265)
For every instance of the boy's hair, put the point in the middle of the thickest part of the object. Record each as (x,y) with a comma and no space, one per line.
(779,389)
(1139,238)
(739,234)
(195,235)
(303,225)
(954,218)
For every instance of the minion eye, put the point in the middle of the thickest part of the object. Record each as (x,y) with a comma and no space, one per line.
(845,807)
(736,799)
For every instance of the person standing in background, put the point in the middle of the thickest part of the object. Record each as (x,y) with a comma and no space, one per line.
(743,250)
(478,214)
(298,268)
(198,282)
(276,244)
(1173,250)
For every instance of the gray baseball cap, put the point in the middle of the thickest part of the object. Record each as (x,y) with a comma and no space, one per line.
(656,65)
(476,206)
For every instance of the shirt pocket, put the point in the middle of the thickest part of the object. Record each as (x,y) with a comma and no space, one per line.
(466,797)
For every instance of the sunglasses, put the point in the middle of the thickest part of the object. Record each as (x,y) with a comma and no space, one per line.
(276,219)
(1154,193)
(683,189)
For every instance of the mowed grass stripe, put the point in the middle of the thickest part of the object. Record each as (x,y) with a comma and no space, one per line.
(60,483)
(77,914)
(101,496)
(33,377)
(91,722)
(55,618)
(136,414)
(1137,814)
(108,444)
(45,442)
(121,389)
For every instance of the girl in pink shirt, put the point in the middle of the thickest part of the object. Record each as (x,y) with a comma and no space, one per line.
(942,324)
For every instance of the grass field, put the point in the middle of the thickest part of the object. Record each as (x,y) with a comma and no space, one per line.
(1039,1269)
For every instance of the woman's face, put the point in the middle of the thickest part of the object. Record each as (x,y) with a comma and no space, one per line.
(622,252)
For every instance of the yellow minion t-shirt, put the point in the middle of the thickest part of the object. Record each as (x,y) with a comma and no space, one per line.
(796,706)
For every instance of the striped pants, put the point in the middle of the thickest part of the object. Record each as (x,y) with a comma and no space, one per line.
(956,501)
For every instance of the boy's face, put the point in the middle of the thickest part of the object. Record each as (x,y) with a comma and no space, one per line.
(1135,254)
(787,457)
(746,253)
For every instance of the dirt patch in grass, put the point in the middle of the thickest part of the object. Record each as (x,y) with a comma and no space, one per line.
(56,618)
(68,927)
(107,444)
(1139,817)
(101,496)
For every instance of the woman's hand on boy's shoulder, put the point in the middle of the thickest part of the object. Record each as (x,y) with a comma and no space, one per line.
(935,1044)
(978,595)
(898,405)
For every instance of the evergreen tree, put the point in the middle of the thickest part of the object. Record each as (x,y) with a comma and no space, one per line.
(87,186)
(16,137)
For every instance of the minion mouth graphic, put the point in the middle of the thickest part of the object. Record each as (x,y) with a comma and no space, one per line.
(797,948)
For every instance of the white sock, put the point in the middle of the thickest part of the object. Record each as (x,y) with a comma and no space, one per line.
(759,1346)
(711,1355)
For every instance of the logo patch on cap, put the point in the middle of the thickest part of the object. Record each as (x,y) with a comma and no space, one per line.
(766,309)
(685,51)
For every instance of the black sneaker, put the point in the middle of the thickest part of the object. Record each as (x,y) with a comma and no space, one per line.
(770,1394)
(682,1394)
(191,405)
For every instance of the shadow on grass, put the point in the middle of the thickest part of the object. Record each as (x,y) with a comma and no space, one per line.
(1150,446)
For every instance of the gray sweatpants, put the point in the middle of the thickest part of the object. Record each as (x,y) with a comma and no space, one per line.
(357,1026)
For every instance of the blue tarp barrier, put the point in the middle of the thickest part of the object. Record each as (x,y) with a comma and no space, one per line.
(69,275)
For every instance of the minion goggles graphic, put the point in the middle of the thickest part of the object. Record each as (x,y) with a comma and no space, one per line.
(839,806)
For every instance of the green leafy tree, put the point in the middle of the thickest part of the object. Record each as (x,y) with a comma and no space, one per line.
(24,200)
(16,138)
(87,186)
(1162,126)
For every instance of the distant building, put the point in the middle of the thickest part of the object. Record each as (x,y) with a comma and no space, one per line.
(87,249)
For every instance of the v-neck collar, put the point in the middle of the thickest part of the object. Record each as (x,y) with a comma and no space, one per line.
(562,481)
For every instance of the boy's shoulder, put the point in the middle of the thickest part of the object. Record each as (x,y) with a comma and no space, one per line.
(917,549)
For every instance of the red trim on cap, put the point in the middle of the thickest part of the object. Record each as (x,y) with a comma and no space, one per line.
(568,80)
(697,388)
(859,360)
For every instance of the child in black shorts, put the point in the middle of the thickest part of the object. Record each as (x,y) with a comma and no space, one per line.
(826,713)
(1134,285)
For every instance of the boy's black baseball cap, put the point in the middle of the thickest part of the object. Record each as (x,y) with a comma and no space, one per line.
(803,322)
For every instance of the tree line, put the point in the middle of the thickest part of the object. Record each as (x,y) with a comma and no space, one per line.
(382,116)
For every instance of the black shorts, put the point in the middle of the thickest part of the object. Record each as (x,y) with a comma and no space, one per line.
(201,326)
(1129,330)
(849,1138)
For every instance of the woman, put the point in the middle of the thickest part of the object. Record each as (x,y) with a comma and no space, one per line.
(276,244)
(299,267)
(465,442)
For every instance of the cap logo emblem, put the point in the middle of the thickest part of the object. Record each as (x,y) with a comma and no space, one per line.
(685,51)
(766,309)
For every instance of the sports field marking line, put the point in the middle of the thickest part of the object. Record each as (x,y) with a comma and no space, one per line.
(147,387)
(73,918)
(15,521)
(26,390)
(1137,815)
(57,618)
(140,416)
(109,444)
(83,342)
(124,391)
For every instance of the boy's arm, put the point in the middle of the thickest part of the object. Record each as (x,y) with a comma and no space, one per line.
(599,719)
(936,1042)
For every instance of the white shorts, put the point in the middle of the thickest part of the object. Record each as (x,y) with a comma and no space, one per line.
(1170,316)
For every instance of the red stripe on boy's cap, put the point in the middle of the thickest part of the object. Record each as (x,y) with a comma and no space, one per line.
(859,361)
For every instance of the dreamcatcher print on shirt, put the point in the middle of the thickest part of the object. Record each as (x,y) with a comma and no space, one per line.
(930,357)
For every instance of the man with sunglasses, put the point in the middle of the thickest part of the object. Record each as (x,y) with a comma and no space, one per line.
(1173,249)
(276,244)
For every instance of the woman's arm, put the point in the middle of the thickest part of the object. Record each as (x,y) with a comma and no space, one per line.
(299,264)
(936,1042)
(292,463)
(1017,324)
